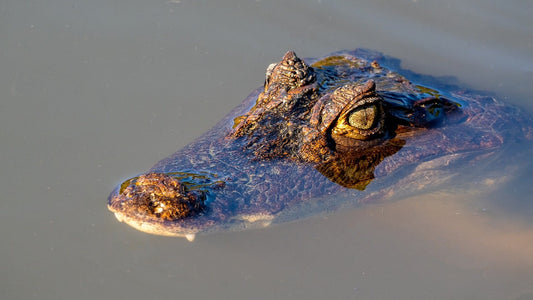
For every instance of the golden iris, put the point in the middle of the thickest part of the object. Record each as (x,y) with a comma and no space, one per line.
(363,117)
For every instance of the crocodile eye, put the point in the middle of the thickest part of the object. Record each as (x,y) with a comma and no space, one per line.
(363,122)
(363,117)
(354,112)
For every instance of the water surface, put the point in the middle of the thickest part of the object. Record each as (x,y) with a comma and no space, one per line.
(93,92)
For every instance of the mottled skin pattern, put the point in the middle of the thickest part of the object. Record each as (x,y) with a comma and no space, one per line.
(342,124)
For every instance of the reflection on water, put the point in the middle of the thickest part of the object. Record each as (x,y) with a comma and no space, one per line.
(458,232)
(465,224)
(354,168)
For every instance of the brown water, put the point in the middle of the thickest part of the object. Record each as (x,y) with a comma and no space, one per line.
(93,92)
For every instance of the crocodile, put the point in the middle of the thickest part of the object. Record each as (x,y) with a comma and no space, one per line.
(321,135)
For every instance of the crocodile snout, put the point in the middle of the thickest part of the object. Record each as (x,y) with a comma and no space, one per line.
(159,197)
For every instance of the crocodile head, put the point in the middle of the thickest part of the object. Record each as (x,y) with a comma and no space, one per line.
(311,130)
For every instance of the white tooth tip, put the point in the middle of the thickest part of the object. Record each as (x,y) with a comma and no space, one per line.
(119,217)
(190,237)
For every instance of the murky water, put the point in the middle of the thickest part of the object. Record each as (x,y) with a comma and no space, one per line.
(93,92)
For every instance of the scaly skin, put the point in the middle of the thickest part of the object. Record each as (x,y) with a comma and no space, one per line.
(342,124)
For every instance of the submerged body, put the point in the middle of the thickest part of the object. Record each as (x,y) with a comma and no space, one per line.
(341,125)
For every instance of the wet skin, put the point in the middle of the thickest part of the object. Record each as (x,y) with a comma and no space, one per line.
(340,125)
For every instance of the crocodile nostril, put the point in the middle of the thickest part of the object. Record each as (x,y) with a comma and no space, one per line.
(162,196)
